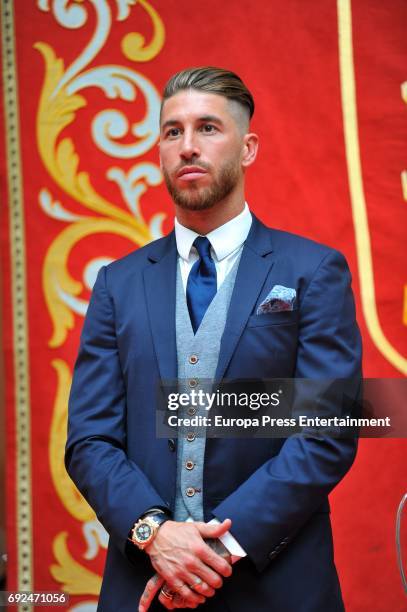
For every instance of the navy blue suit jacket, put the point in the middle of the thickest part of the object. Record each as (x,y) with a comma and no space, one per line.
(275,491)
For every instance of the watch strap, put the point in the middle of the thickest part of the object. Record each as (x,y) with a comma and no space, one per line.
(159,516)
(146,528)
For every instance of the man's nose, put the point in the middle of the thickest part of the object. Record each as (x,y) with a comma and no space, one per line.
(189,146)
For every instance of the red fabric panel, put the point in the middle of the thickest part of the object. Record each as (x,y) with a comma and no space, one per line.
(288,54)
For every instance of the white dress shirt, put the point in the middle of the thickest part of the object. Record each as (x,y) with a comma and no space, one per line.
(226,246)
(226,240)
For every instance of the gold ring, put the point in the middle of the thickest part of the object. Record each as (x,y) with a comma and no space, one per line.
(167,593)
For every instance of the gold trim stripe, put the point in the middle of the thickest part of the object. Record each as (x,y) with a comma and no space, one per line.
(358,201)
(19,303)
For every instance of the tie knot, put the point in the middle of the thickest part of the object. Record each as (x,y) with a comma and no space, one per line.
(203,246)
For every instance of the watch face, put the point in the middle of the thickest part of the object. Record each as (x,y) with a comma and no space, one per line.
(143,532)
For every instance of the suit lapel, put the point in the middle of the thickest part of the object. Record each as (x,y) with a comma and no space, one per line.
(159,285)
(254,267)
(160,289)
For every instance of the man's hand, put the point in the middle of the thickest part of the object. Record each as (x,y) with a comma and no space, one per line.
(153,585)
(187,565)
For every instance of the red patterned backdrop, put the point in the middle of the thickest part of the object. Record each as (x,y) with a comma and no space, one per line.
(80,101)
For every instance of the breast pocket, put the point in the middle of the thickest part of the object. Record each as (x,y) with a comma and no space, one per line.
(267,347)
(283,317)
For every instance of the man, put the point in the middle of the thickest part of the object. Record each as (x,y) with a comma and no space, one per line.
(221,297)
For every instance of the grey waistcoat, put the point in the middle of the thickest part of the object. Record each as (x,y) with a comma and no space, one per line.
(204,346)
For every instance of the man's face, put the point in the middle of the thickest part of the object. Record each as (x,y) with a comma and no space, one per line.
(201,146)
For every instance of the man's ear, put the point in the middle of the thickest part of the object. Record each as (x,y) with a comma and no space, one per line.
(250,148)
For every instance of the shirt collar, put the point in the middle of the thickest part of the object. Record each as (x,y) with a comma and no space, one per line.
(224,239)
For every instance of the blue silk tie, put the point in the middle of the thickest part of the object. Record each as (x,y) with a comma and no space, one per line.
(201,285)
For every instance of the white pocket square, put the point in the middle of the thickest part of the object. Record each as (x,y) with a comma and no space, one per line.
(280,298)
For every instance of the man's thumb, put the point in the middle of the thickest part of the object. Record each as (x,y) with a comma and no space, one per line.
(214,530)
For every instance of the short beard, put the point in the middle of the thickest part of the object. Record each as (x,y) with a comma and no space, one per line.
(203,198)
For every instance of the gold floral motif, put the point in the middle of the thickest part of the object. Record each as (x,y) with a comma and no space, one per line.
(62,96)
(75,578)
(57,111)
(67,492)
(133,43)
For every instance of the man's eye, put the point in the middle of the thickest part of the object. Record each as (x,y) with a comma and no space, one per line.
(208,128)
(173,133)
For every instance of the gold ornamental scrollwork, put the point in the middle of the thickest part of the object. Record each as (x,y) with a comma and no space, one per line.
(356,187)
(59,103)
(63,94)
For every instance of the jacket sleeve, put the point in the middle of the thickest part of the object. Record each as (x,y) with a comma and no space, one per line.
(272,505)
(95,457)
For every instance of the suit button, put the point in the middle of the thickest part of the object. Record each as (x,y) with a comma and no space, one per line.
(190,491)
(191,411)
(171,445)
(193,359)
(191,436)
(193,382)
(272,554)
(189,464)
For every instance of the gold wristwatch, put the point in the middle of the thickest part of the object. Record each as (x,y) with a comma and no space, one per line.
(145,529)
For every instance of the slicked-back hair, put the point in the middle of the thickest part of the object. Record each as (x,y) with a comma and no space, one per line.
(211,80)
